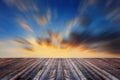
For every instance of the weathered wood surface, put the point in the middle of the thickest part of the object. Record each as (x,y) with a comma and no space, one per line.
(59,69)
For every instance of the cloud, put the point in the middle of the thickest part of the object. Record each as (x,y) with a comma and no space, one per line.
(44,19)
(108,2)
(84,4)
(99,36)
(48,15)
(106,41)
(79,21)
(25,44)
(54,40)
(85,21)
(22,41)
(70,24)
(41,20)
(26,26)
(26,6)
(23,5)
(113,13)
(1,43)
(28,48)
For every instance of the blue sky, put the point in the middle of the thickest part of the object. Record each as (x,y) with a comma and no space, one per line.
(93,23)
(61,12)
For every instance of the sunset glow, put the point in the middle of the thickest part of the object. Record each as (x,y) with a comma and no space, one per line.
(60,29)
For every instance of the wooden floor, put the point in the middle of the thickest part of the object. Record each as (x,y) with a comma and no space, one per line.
(59,69)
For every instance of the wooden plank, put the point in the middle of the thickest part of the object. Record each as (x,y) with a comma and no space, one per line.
(59,69)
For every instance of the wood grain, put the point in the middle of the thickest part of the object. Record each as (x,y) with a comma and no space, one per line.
(59,69)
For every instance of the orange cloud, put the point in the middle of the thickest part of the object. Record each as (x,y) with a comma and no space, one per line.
(49,51)
(44,19)
(41,20)
(1,43)
(26,26)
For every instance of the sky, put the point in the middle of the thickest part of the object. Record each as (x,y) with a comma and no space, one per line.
(60,28)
